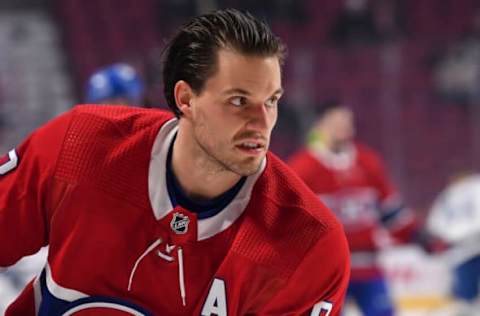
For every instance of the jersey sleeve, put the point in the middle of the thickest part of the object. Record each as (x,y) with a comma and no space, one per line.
(26,179)
(399,219)
(318,286)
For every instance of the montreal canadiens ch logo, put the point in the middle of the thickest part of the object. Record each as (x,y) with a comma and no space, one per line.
(106,307)
(102,309)
(179,223)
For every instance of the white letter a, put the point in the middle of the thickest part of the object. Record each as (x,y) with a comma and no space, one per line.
(216,302)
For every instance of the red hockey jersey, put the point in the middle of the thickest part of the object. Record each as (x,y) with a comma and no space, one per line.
(355,186)
(91,185)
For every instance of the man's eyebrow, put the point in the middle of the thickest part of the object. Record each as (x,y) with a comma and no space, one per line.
(236,91)
(245,92)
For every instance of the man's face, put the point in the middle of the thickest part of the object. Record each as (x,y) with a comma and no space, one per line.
(233,116)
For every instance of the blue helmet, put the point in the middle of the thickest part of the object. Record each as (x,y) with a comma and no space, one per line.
(116,81)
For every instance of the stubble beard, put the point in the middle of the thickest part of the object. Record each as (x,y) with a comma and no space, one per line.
(218,162)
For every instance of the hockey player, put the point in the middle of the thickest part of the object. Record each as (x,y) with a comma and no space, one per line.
(351,179)
(147,213)
(454,219)
(119,83)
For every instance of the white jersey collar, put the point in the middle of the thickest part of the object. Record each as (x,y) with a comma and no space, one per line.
(158,193)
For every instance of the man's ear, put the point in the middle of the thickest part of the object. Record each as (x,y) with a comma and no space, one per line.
(183,95)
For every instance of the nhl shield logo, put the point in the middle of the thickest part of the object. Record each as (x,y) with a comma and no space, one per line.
(179,223)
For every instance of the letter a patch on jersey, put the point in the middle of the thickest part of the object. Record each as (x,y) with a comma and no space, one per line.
(322,308)
(216,302)
(8,162)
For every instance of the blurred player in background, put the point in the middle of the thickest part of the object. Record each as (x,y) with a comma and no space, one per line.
(455,219)
(152,213)
(351,179)
(119,83)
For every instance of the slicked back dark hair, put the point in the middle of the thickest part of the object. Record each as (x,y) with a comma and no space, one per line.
(192,53)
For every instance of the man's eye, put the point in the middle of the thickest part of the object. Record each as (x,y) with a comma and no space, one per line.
(272,102)
(238,101)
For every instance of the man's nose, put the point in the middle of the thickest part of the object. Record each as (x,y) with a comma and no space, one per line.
(258,117)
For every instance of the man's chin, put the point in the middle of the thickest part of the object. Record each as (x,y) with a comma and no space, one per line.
(247,169)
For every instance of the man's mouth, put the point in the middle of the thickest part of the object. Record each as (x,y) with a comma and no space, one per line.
(251,147)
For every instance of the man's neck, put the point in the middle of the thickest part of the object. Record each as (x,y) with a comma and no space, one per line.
(197,174)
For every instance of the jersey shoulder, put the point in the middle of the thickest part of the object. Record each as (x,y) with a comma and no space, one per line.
(107,127)
(121,119)
(287,218)
(102,135)
(287,189)
(109,148)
